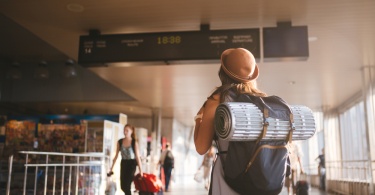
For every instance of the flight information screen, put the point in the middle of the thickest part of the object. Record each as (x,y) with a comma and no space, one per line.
(188,45)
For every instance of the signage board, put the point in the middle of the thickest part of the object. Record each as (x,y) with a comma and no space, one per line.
(169,46)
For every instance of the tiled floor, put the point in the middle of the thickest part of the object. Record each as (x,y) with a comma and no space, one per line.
(198,189)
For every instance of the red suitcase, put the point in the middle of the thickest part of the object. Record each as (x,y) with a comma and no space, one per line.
(147,183)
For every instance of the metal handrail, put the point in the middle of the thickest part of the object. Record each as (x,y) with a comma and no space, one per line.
(54,165)
(351,170)
(344,161)
(91,160)
(93,154)
(9,174)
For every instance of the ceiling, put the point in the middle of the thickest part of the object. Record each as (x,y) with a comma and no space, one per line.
(341,42)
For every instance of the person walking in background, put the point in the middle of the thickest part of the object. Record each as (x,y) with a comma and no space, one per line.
(322,170)
(128,146)
(295,156)
(207,162)
(167,161)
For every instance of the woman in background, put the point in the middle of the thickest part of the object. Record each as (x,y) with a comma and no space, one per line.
(128,146)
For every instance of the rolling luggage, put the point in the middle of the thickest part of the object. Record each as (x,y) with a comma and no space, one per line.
(302,187)
(149,184)
(151,193)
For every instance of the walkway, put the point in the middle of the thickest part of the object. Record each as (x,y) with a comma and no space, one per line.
(198,189)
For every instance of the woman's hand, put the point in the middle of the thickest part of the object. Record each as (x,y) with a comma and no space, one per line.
(109,173)
(140,171)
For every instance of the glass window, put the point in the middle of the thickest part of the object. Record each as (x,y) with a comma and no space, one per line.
(332,147)
(354,143)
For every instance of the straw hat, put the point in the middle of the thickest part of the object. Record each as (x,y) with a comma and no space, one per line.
(239,64)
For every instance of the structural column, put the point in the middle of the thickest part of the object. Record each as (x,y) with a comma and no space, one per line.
(368,73)
(156,132)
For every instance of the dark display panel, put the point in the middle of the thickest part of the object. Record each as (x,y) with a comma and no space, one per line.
(189,45)
(286,42)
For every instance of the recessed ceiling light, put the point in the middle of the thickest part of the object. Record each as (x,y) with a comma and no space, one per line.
(41,72)
(73,7)
(14,72)
(69,70)
(311,39)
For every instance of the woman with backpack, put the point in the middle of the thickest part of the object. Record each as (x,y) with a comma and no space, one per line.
(128,146)
(238,73)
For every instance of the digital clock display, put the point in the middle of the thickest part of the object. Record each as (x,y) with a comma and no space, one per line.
(169,40)
(188,45)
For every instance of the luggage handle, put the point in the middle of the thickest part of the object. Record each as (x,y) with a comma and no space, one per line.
(304,176)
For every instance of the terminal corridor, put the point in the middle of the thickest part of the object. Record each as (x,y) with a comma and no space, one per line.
(73,73)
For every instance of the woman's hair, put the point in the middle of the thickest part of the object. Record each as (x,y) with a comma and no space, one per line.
(240,88)
(133,131)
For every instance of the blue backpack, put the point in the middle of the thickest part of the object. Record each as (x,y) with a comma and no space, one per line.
(259,167)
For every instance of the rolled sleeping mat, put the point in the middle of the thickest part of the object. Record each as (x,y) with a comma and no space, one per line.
(240,121)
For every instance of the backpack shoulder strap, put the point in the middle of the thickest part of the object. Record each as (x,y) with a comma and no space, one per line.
(133,144)
(265,125)
(120,142)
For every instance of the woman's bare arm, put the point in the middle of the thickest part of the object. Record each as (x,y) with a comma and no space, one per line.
(138,158)
(204,127)
(115,158)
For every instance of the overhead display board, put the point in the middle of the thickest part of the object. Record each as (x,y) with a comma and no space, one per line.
(285,43)
(187,45)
